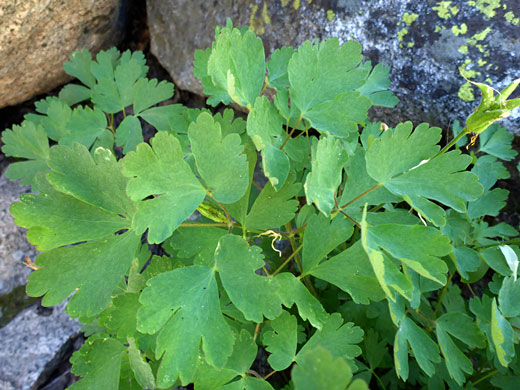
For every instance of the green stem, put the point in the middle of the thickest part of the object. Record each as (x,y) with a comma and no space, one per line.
(295,253)
(488,375)
(452,142)
(292,131)
(441,298)
(358,197)
(299,262)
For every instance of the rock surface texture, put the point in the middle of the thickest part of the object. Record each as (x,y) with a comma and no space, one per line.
(33,344)
(13,243)
(38,36)
(424,42)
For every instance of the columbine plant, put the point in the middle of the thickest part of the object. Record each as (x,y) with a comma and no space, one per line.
(349,265)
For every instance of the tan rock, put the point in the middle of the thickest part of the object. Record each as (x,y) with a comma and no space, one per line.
(38,36)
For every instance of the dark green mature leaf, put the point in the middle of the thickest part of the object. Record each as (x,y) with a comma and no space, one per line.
(423,347)
(237,64)
(319,369)
(129,134)
(85,126)
(277,67)
(323,76)
(351,272)
(220,161)
(120,318)
(326,174)
(99,363)
(462,327)
(276,165)
(291,290)
(248,383)
(496,140)
(281,341)
(236,263)
(56,116)
(338,338)
(328,233)
(27,141)
(502,336)
(140,367)
(490,203)
(186,317)
(99,202)
(244,353)
(199,243)
(509,296)
(468,260)
(376,86)
(161,170)
(273,209)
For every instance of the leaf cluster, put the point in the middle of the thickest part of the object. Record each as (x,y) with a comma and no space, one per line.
(347,267)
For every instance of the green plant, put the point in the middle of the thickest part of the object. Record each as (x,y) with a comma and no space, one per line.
(363,242)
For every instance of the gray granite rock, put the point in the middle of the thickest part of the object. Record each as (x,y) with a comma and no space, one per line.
(38,36)
(424,42)
(33,345)
(14,246)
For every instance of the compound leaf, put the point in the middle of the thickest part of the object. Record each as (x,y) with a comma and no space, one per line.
(326,174)
(502,336)
(149,93)
(220,160)
(99,363)
(277,67)
(375,87)
(496,140)
(140,367)
(27,141)
(216,93)
(129,134)
(237,64)
(328,233)
(273,209)
(509,296)
(321,77)
(319,369)
(291,290)
(462,327)
(161,170)
(96,266)
(186,317)
(248,383)
(489,170)
(84,127)
(423,347)
(351,272)
(120,317)
(79,67)
(282,341)
(236,263)
(338,338)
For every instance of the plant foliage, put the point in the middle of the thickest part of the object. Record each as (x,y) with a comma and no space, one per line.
(349,266)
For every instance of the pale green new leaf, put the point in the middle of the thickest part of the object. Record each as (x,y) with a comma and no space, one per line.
(254,295)
(319,369)
(462,327)
(291,290)
(351,272)
(281,341)
(186,317)
(99,363)
(328,233)
(140,367)
(326,174)
(96,208)
(200,70)
(220,160)
(79,67)
(502,336)
(424,349)
(30,142)
(161,170)
(237,64)
(265,125)
(129,134)
(273,209)
(338,338)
